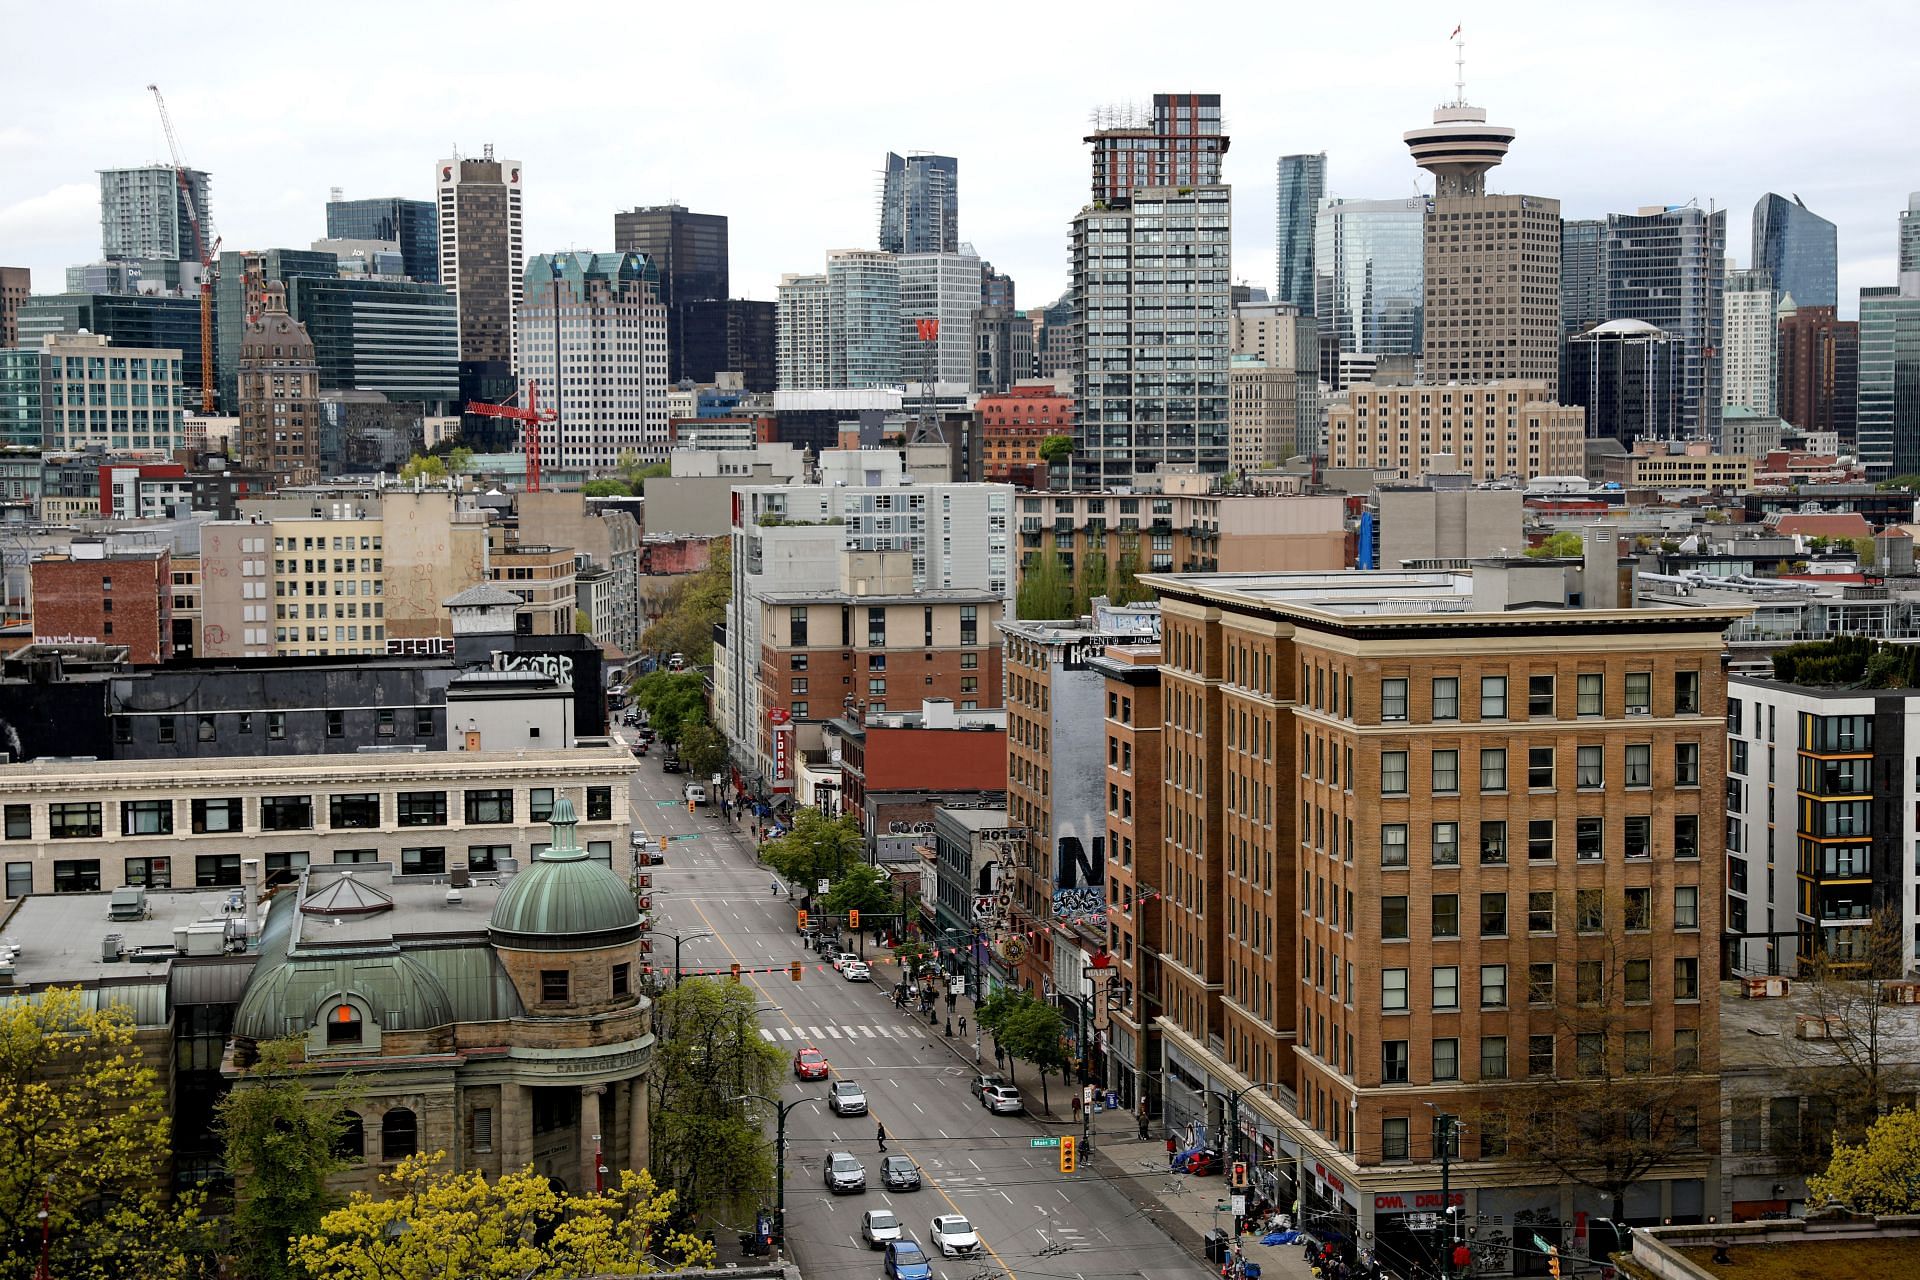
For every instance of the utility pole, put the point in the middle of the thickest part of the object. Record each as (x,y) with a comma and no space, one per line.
(779,1162)
(1443,1125)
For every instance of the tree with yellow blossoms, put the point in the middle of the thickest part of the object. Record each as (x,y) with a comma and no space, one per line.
(429,1222)
(1880,1174)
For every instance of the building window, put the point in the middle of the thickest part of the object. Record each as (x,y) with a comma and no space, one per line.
(19,879)
(19,819)
(1540,695)
(353,811)
(486,857)
(1540,911)
(336,723)
(1493,915)
(493,804)
(1446,844)
(1588,838)
(1493,844)
(1394,1059)
(1493,986)
(1686,907)
(621,979)
(1393,699)
(74,820)
(1686,1049)
(79,875)
(355,855)
(164,724)
(1446,771)
(206,732)
(1540,840)
(797,626)
(1540,1056)
(599,804)
(1639,835)
(351,1144)
(1540,984)
(1686,764)
(1686,978)
(399,1135)
(1540,768)
(286,813)
(1393,845)
(1493,697)
(1393,919)
(1493,769)
(1493,1057)
(876,627)
(216,870)
(1393,1138)
(1446,915)
(554,986)
(1589,1053)
(146,817)
(1446,986)
(1639,693)
(220,813)
(283,867)
(540,804)
(343,1025)
(1686,693)
(1393,772)
(1589,910)
(150,873)
(1590,690)
(1639,764)
(423,809)
(1393,990)
(423,722)
(276,725)
(383,723)
(483,1128)
(1446,698)
(1589,769)
(427,861)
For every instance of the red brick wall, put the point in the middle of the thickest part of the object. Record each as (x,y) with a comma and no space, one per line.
(936,759)
(70,604)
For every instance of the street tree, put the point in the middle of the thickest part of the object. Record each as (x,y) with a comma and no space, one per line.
(1617,1109)
(693,605)
(707,1145)
(671,700)
(1032,1032)
(430,1222)
(913,958)
(1558,546)
(861,887)
(1055,449)
(816,848)
(280,1148)
(1878,1173)
(83,1124)
(702,749)
(1046,590)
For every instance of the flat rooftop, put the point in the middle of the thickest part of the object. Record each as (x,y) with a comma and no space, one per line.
(264,769)
(419,908)
(936,595)
(1761,1034)
(59,935)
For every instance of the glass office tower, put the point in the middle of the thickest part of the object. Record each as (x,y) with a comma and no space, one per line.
(1369,275)
(1303,184)
(1799,248)
(920,205)
(412,224)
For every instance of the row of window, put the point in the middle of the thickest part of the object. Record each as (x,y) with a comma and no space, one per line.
(1541,695)
(1594,984)
(1542,839)
(386,721)
(346,811)
(1590,771)
(1590,913)
(1591,1053)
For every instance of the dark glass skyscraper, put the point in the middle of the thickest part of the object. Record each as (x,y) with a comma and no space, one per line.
(126,319)
(396,337)
(1667,266)
(1303,182)
(412,224)
(1369,268)
(920,205)
(690,250)
(1799,247)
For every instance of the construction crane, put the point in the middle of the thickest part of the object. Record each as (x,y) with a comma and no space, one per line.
(204,245)
(529,419)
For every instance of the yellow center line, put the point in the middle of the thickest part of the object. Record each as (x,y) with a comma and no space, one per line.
(926,1177)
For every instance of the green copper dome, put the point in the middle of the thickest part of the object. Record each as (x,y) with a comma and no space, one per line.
(565,901)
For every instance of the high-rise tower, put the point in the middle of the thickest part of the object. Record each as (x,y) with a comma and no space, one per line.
(920,204)
(1492,289)
(483,263)
(1178,144)
(1302,184)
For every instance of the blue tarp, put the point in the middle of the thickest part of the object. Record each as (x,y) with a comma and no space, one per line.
(1280,1237)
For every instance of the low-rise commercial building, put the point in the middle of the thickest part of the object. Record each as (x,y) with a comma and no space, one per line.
(92,595)
(1496,430)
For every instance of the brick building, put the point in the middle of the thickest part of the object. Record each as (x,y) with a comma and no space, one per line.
(1011,426)
(90,595)
(1494,430)
(1817,367)
(1428,835)
(279,390)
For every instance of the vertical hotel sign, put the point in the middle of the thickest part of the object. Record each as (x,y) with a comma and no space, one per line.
(780,726)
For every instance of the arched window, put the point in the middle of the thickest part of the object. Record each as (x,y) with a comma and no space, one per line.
(352,1142)
(343,1024)
(399,1135)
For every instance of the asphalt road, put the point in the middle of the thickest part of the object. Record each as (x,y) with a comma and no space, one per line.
(1034,1223)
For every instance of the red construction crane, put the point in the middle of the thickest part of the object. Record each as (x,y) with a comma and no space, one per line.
(529,419)
(204,246)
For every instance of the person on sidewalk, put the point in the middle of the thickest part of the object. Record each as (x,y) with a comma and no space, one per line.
(1140,1114)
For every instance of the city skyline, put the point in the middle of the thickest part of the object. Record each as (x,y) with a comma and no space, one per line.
(384,121)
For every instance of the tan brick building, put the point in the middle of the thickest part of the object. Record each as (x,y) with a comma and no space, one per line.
(279,388)
(1495,431)
(1427,851)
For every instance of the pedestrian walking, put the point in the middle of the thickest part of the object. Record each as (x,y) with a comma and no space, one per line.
(1140,1114)
(963,1024)
(880,1133)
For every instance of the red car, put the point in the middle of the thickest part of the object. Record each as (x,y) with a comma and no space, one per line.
(808,1064)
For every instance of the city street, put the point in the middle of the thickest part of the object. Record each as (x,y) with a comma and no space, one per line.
(1033,1221)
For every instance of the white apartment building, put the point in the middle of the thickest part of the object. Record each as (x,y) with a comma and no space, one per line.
(99,398)
(803,360)
(1751,338)
(944,288)
(593,334)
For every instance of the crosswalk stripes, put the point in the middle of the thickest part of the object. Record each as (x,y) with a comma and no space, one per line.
(843,1032)
(766,1035)
(833,1031)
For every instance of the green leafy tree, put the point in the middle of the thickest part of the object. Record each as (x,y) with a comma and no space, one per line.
(459,460)
(83,1121)
(708,1053)
(816,847)
(1045,589)
(583,622)
(691,608)
(1055,449)
(606,488)
(702,749)
(1563,545)
(861,887)
(671,699)
(429,1222)
(913,958)
(1093,572)
(280,1148)
(423,466)
(1032,1032)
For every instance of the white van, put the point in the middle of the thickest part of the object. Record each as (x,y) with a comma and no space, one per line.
(696,793)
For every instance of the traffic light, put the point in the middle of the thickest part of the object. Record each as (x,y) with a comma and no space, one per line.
(1553,1261)
(1240,1174)
(853,919)
(663,845)
(1067,1161)
(736,971)
(690,806)
(797,969)
(803,919)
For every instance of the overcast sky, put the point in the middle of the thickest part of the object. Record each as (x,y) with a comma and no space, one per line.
(779,115)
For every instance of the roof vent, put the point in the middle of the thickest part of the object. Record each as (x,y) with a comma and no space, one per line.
(110,948)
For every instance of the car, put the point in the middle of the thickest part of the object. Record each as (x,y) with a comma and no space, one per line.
(846,1098)
(810,1064)
(845,1174)
(1002,1100)
(696,793)
(856,971)
(670,763)
(905,1260)
(646,734)
(879,1227)
(840,961)
(899,1173)
(639,752)
(954,1236)
(983,1082)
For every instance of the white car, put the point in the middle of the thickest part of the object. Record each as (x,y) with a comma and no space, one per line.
(856,971)
(696,794)
(846,1098)
(843,959)
(954,1236)
(878,1226)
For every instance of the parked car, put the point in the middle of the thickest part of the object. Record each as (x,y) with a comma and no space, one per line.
(900,1173)
(846,1098)
(1002,1100)
(840,961)
(856,971)
(810,1064)
(983,1082)
(696,793)
(954,1236)
(670,762)
(879,1227)
(845,1174)
(905,1260)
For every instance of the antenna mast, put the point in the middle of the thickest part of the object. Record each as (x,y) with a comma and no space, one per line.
(1459,67)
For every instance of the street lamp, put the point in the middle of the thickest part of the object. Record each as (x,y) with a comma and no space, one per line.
(46,1225)
(1233,1141)
(779,1159)
(679,939)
